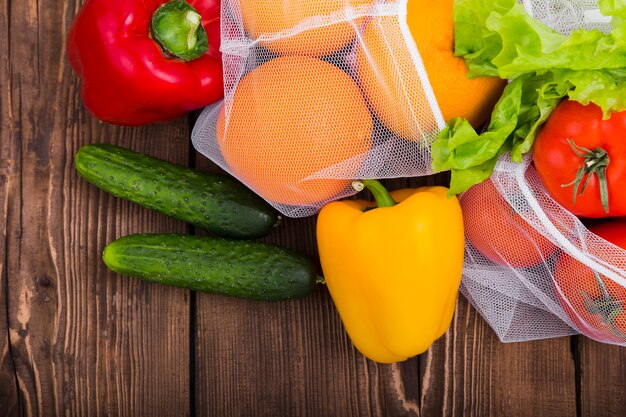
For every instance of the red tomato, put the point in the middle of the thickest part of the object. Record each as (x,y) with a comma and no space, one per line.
(581,159)
(494,228)
(597,304)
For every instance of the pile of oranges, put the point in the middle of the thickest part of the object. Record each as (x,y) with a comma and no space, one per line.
(297,114)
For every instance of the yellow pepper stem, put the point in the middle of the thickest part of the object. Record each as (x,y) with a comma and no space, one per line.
(380,193)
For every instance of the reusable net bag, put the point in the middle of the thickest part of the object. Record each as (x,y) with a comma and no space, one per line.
(566,16)
(532,269)
(317,94)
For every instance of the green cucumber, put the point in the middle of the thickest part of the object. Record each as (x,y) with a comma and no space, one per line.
(213,202)
(239,268)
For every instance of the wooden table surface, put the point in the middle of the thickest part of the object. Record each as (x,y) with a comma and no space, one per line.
(78,340)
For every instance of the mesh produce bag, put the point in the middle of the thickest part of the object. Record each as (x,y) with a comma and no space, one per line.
(567,15)
(347,85)
(347,88)
(533,269)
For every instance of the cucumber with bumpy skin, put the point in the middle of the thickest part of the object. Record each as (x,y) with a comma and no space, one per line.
(239,268)
(213,202)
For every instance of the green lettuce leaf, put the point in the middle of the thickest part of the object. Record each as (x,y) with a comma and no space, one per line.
(499,38)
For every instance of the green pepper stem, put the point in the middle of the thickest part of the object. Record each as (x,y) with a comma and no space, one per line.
(177,27)
(380,193)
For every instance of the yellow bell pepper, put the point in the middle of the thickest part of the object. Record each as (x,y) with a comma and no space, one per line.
(393,271)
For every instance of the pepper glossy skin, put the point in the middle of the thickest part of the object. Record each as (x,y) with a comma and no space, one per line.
(393,272)
(127,79)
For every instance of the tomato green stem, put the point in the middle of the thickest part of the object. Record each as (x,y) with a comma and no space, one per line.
(176,26)
(380,193)
(604,306)
(595,162)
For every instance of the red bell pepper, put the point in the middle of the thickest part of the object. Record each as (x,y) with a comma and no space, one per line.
(145,61)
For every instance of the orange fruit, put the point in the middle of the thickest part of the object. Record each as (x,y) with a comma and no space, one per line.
(391,82)
(290,118)
(269,17)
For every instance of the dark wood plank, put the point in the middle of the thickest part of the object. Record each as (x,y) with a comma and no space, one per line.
(9,206)
(84,341)
(470,372)
(602,376)
(9,397)
(291,358)
(9,401)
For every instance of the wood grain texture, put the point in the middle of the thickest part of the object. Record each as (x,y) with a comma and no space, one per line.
(9,400)
(602,379)
(469,372)
(291,358)
(84,341)
(9,207)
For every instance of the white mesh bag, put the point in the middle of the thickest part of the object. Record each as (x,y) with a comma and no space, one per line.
(532,269)
(318,94)
(567,15)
